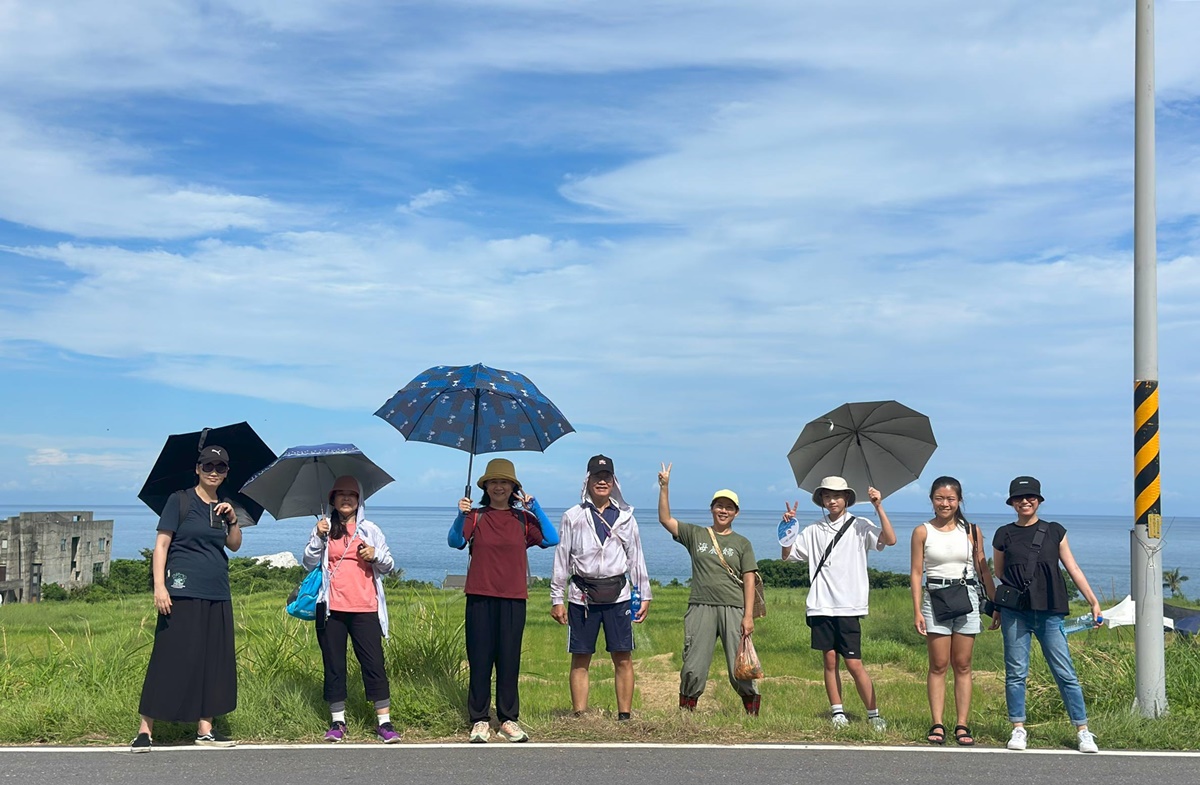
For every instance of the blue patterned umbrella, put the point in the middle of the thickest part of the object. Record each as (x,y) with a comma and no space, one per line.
(476,409)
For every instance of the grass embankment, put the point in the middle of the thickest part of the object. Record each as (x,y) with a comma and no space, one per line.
(72,673)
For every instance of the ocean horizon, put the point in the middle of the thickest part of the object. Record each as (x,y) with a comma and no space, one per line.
(417,538)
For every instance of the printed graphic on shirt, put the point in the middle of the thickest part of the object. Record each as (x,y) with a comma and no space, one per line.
(178,580)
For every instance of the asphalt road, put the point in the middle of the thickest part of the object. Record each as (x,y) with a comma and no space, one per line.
(535,764)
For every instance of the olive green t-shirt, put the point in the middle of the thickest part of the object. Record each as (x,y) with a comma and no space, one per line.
(711,582)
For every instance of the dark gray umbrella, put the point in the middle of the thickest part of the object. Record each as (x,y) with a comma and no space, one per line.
(883,444)
(298,482)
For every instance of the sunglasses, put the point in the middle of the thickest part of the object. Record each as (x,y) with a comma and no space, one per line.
(1025,498)
(219,468)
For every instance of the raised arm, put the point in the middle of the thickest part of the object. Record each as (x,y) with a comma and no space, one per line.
(788,530)
(664,501)
(549,533)
(888,535)
(454,537)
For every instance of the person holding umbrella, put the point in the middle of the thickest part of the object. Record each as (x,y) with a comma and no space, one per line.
(600,544)
(354,558)
(838,596)
(506,523)
(721,601)
(192,674)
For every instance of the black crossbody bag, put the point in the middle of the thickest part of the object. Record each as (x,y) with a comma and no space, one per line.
(1015,598)
(954,600)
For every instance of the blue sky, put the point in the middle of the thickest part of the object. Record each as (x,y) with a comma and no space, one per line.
(695,225)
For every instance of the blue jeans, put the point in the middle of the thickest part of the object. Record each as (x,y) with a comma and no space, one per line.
(1018,627)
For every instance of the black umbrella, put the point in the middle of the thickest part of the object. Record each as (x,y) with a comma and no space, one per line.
(175,468)
(882,444)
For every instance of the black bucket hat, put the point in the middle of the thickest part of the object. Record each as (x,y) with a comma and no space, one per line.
(1024,486)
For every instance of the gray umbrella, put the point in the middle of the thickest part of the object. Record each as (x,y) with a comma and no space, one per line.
(883,444)
(298,482)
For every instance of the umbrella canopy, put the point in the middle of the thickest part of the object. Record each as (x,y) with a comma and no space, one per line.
(175,468)
(298,482)
(476,409)
(883,444)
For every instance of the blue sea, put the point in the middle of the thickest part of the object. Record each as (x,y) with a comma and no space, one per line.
(417,537)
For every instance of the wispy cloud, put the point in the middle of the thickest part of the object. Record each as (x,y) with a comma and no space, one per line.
(698,224)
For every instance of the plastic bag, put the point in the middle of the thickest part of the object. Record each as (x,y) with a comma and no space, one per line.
(747,667)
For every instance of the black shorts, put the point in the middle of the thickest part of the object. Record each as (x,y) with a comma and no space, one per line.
(842,634)
(584,627)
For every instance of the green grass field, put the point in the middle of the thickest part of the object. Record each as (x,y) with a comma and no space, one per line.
(71,673)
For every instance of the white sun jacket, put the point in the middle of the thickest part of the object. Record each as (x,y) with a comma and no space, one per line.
(579,551)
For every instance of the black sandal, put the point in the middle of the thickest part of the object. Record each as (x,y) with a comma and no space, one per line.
(937,734)
(963,735)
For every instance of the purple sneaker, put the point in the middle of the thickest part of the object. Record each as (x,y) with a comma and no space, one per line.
(386,733)
(336,732)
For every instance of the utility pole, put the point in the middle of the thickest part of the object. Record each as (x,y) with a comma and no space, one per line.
(1146,537)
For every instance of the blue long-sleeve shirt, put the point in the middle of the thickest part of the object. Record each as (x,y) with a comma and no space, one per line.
(455,538)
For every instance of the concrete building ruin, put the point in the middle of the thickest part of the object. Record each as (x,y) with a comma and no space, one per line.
(37,548)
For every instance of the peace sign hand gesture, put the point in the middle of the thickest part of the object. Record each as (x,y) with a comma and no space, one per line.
(664,476)
(789,528)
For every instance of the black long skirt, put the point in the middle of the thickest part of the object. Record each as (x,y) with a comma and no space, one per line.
(192,671)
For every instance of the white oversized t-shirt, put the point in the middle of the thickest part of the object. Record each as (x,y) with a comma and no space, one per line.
(842,588)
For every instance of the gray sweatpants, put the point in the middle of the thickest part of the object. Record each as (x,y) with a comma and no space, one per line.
(702,626)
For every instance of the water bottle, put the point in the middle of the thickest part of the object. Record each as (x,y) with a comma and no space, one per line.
(1081,623)
(635,599)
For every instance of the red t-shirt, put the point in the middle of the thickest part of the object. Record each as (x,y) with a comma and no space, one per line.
(352,585)
(498,539)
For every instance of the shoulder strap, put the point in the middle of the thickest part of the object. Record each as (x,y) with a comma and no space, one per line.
(829,550)
(183,503)
(713,536)
(1034,549)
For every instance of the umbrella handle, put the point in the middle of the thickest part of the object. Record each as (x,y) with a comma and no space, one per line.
(467,487)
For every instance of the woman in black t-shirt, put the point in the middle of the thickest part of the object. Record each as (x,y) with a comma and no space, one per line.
(1044,604)
(192,675)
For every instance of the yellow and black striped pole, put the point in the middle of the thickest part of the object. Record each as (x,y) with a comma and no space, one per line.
(1146,537)
(1147,492)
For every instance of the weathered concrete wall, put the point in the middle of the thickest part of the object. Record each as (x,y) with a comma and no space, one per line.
(64,547)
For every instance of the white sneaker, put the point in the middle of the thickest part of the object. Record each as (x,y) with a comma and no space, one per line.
(1017,741)
(878,724)
(480,732)
(840,720)
(1087,741)
(512,731)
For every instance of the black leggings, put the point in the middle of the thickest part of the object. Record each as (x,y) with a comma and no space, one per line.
(364,632)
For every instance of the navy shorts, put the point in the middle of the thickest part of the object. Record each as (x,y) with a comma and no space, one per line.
(842,634)
(584,625)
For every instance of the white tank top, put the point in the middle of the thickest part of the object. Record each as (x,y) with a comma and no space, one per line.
(946,553)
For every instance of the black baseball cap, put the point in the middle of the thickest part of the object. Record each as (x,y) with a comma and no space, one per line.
(213,454)
(600,463)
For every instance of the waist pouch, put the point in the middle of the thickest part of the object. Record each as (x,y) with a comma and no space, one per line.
(600,591)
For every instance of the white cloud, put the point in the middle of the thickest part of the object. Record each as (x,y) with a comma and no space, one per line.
(697,224)
(63,182)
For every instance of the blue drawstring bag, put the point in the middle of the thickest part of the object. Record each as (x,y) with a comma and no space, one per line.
(303,602)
